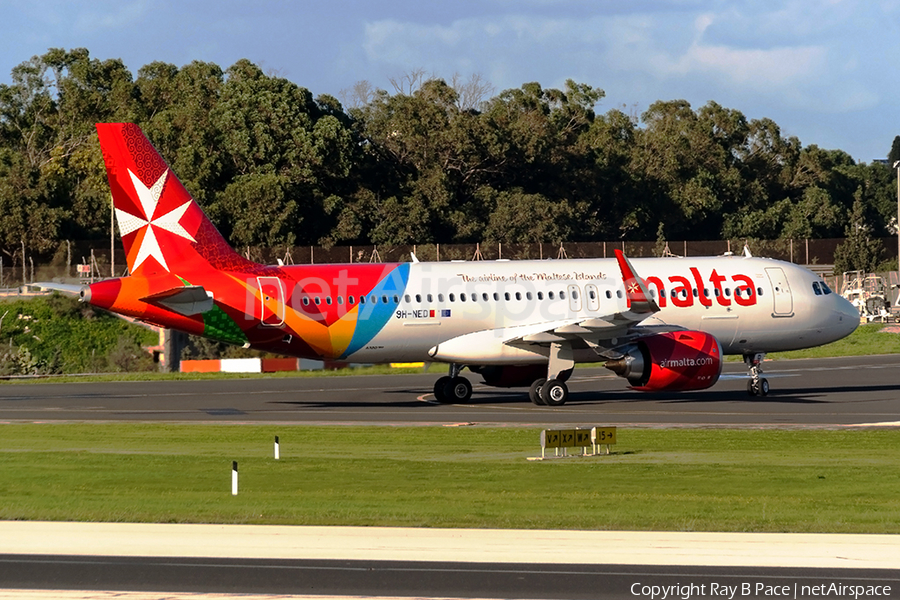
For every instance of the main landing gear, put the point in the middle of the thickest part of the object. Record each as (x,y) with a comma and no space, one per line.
(758,385)
(453,388)
(553,391)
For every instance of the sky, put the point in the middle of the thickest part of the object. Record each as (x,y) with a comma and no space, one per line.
(825,71)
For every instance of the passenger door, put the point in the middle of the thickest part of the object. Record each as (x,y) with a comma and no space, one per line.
(783,301)
(271,301)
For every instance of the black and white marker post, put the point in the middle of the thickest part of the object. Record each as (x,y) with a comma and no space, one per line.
(234,481)
(277,453)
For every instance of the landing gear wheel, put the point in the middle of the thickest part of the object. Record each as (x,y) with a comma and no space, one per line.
(758,385)
(534,392)
(439,387)
(554,393)
(458,389)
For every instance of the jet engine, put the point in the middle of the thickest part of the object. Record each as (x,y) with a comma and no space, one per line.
(671,361)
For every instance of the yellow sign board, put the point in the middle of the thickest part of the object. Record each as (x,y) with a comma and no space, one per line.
(603,435)
(583,438)
(550,439)
(577,438)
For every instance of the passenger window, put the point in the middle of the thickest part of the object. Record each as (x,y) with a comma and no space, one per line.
(419,298)
(506,296)
(429,298)
(518,295)
(550,295)
(384,299)
(562,295)
(406,297)
(608,295)
(328,300)
(362,299)
(574,295)
(727,291)
(452,298)
(496,297)
(618,293)
(528,295)
(759,291)
(350,299)
(462,297)
(396,299)
(592,295)
(440,297)
(305,301)
(474,297)
(340,299)
(540,295)
(662,292)
(317,300)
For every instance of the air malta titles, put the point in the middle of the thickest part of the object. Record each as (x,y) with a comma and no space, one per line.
(683,294)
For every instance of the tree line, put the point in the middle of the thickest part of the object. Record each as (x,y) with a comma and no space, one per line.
(430,162)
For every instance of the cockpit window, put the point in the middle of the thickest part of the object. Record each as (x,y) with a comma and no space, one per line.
(825,289)
(816,289)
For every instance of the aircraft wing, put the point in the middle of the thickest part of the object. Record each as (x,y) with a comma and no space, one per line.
(602,333)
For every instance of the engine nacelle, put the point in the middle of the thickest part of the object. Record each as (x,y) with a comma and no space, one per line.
(671,361)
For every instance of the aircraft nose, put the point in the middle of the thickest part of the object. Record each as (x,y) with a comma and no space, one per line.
(846,315)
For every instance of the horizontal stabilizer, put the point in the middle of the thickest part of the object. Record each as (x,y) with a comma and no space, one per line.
(190,300)
(66,288)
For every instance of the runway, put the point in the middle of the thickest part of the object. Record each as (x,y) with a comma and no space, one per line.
(857,391)
(822,393)
(405,562)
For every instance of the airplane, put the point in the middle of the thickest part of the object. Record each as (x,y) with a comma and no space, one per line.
(662,324)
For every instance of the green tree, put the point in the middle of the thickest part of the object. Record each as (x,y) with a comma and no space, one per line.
(859,252)
(276,141)
(894,155)
(176,109)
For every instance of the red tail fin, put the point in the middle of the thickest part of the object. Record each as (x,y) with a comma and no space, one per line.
(162,227)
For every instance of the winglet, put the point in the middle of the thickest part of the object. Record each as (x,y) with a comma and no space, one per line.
(639,299)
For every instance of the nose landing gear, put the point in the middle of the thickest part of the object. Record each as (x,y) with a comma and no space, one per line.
(758,385)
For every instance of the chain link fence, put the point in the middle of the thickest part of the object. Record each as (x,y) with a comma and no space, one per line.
(84,261)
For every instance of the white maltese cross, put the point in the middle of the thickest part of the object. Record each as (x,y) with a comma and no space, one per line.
(149,198)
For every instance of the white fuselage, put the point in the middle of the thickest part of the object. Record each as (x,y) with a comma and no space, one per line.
(788,308)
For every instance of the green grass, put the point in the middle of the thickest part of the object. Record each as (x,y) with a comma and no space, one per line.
(692,480)
(866,340)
